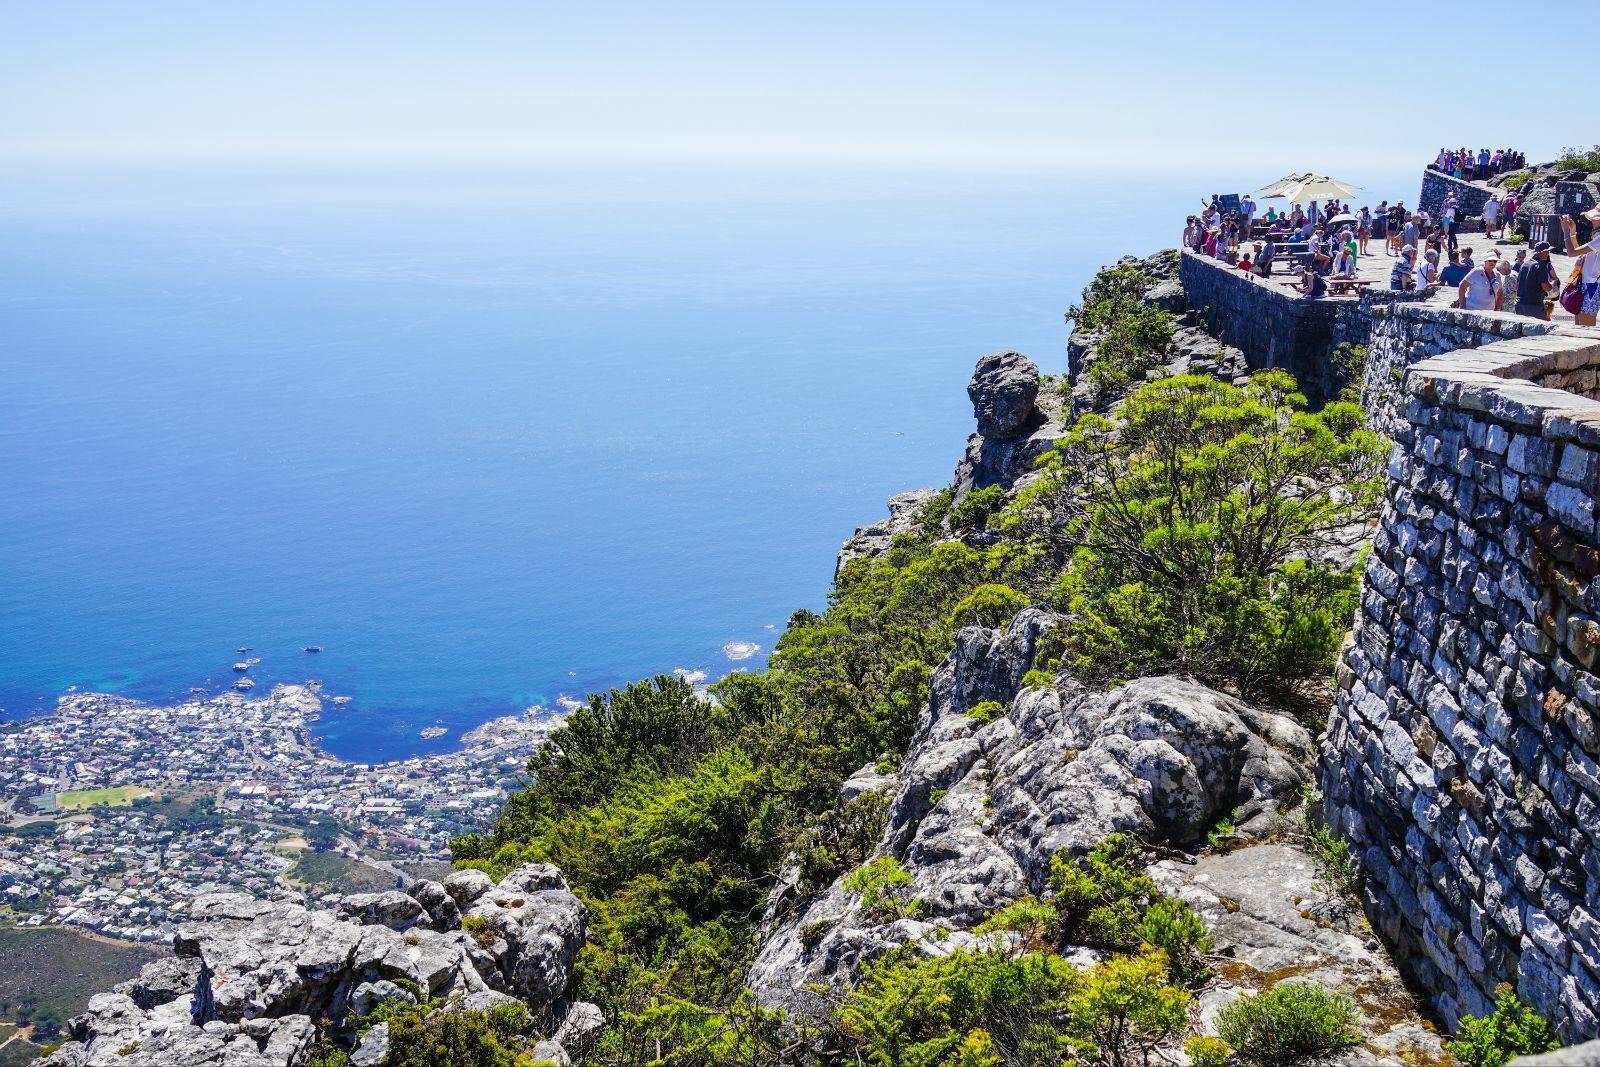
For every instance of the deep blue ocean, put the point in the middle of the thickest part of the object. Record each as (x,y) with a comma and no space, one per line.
(489,439)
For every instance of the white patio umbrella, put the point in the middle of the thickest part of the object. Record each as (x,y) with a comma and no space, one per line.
(1281,186)
(1318,187)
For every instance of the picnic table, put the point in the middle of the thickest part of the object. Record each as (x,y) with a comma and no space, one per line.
(1336,286)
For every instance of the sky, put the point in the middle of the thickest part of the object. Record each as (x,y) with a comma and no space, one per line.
(985,86)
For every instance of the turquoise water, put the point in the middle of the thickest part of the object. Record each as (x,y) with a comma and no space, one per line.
(490,440)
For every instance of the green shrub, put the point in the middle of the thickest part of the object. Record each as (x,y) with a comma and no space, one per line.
(986,711)
(990,605)
(1037,679)
(885,889)
(493,1038)
(1035,922)
(1206,1051)
(1188,518)
(1125,1007)
(1517,181)
(972,511)
(1289,1020)
(1174,928)
(1335,872)
(1135,335)
(1512,1029)
(914,1011)
(839,839)
(1101,898)
(480,930)
(1579,159)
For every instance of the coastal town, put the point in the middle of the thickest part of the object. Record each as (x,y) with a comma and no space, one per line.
(117,813)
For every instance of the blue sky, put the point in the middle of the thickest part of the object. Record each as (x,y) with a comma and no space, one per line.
(988,86)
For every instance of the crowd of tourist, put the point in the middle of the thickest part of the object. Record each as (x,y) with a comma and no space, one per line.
(1479,166)
(1322,243)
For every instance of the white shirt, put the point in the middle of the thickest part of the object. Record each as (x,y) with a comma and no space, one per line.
(1591,263)
(1426,272)
(1481,289)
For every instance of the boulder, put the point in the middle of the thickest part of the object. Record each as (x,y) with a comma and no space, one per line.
(443,913)
(392,908)
(980,809)
(1002,391)
(467,886)
(249,975)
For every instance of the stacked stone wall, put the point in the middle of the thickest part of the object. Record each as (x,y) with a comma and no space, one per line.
(1463,755)
(1436,186)
(1271,327)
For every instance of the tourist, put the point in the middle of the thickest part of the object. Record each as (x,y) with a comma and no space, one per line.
(1321,257)
(1403,277)
(1411,234)
(1453,273)
(1588,268)
(1535,281)
(1428,268)
(1265,254)
(1344,266)
(1311,284)
(1394,238)
(1247,214)
(1491,215)
(1364,229)
(1480,289)
(1447,218)
(1244,260)
(1508,285)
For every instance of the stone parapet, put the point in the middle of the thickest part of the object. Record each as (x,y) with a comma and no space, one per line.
(1463,756)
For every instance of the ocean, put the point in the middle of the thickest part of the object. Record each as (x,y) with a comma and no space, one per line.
(492,438)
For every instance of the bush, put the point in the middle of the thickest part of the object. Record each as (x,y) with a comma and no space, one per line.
(885,889)
(493,1038)
(990,605)
(1579,159)
(1134,335)
(840,839)
(1512,1029)
(1174,928)
(1101,898)
(1206,1051)
(913,1011)
(1291,1019)
(986,711)
(1188,521)
(1034,922)
(1124,1008)
(972,511)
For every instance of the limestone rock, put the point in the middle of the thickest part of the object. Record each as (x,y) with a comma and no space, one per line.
(872,540)
(1002,391)
(465,887)
(1271,923)
(249,975)
(979,809)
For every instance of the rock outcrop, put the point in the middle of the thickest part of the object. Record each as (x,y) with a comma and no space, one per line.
(252,980)
(872,540)
(1272,922)
(1019,419)
(978,808)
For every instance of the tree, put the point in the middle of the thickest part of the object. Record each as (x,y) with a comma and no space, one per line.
(1196,523)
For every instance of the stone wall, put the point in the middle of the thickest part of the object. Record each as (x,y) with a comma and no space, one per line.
(1463,756)
(1436,186)
(1271,327)
(1399,333)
